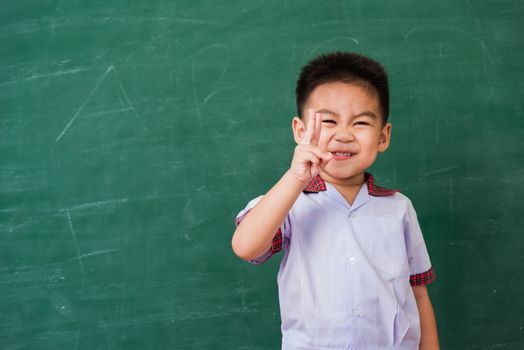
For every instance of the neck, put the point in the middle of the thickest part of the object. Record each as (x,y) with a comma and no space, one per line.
(350,182)
(349,187)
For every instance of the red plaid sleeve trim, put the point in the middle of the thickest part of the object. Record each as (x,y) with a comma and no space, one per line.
(423,278)
(276,246)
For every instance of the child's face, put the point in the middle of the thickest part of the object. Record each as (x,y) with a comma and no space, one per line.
(351,129)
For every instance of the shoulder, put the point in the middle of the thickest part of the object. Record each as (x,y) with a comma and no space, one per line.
(396,198)
(396,205)
(401,198)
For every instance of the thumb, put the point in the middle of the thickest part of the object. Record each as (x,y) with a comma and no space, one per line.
(325,159)
(327,156)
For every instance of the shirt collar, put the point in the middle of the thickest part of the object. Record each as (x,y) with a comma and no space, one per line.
(318,185)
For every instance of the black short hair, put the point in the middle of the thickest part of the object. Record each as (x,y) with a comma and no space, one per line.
(346,67)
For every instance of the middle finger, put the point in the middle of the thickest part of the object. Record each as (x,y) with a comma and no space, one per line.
(318,128)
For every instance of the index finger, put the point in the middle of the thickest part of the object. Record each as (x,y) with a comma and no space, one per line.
(310,128)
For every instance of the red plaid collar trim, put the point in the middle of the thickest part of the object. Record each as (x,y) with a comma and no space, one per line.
(318,185)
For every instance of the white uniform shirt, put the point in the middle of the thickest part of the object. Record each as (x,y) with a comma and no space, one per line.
(344,279)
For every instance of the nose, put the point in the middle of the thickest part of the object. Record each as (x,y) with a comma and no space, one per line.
(344,135)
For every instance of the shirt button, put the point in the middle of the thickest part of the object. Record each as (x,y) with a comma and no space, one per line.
(357,312)
(352,214)
(352,260)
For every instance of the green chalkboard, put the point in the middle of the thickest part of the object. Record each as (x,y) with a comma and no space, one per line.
(132,133)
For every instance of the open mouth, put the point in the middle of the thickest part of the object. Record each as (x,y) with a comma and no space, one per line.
(342,155)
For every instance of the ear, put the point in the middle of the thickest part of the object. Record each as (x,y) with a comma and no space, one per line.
(299,128)
(385,137)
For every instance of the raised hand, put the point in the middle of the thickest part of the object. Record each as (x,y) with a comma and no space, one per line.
(308,159)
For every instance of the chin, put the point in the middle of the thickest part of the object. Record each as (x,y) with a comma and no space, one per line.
(341,174)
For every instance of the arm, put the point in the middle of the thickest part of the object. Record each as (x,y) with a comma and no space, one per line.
(428,325)
(255,233)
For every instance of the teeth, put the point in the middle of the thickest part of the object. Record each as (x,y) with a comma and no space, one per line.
(343,154)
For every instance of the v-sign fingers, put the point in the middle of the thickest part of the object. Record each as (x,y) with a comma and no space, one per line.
(318,127)
(310,128)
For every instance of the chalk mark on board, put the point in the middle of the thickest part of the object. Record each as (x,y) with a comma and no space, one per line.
(99,203)
(111,111)
(440,170)
(451,194)
(47,75)
(188,219)
(128,100)
(481,43)
(95,253)
(218,81)
(99,82)
(195,97)
(513,280)
(224,68)
(218,137)
(201,98)
(90,96)
(61,304)
(77,338)
(223,47)
(315,49)
(75,241)
(218,91)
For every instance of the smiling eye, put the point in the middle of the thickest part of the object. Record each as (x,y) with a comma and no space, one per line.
(361,123)
(329,121)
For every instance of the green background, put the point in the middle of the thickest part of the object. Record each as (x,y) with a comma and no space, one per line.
(132,133)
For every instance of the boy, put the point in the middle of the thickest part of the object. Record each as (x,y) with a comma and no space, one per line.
(355,264)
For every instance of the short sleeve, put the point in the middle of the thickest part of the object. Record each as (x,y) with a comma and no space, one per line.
(419,263)
(280,239)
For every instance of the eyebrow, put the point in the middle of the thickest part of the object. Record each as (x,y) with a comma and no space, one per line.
(364,113)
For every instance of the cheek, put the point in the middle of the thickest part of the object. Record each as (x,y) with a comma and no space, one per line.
(369,142)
